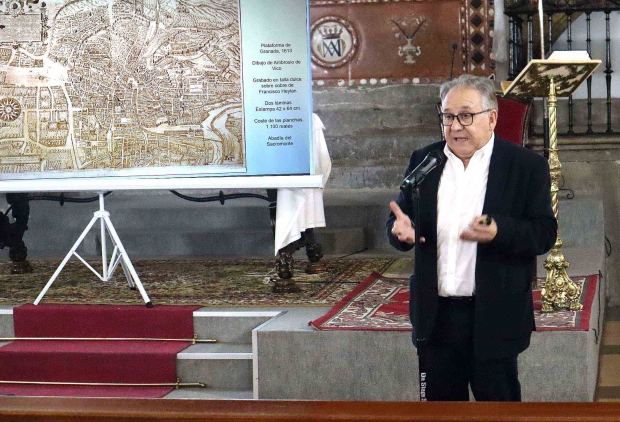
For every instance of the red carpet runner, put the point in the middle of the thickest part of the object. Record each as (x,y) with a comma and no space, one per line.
(95,361)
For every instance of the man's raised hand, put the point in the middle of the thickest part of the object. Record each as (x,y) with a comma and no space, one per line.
(402,228)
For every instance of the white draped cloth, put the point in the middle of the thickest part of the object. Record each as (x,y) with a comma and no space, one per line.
(301,209)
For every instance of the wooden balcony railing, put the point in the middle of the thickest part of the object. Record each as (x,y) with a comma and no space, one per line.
(20,409)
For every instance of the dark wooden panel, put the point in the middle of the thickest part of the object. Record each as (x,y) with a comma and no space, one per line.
(121,410)
(393,41)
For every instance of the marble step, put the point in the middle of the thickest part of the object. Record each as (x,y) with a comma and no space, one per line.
(209,394)
(225,367)
(221,366)
(230,325)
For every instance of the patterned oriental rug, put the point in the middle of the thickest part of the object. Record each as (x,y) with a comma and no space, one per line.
(221,282)
(382,304)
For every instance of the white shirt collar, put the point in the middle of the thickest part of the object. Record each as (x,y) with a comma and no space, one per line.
(483,153)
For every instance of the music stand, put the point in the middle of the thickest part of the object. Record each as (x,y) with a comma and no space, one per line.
(119,255)
(552,78)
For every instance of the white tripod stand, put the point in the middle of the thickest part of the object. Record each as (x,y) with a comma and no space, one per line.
(119,255)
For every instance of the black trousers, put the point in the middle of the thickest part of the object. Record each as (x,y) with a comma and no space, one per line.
(448,365)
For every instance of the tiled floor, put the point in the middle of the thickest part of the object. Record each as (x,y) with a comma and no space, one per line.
(608,388)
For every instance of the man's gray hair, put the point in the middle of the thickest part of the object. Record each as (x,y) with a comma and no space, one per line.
(481,84)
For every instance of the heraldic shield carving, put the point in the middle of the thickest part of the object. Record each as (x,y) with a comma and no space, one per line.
(334,42)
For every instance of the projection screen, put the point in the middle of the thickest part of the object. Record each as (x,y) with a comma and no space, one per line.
(149,94)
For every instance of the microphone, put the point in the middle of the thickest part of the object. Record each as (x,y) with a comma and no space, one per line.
(417,176)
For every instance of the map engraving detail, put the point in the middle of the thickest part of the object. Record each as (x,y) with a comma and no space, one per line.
(146,86)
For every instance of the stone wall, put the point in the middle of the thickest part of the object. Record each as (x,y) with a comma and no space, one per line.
(372,131)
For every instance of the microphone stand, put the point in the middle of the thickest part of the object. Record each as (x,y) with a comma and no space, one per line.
(417,255)
(414,190)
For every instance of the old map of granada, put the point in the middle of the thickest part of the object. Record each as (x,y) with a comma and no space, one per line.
(113,87)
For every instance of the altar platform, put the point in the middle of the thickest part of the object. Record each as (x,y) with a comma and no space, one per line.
(267,350)
(272,353)
(296,361)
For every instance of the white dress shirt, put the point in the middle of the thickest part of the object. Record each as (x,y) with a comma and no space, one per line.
(460,198)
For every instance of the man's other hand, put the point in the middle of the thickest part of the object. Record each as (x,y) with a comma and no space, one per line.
(479,231)
(402,228)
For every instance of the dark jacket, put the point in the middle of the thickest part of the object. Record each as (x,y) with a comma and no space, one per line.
(518,198)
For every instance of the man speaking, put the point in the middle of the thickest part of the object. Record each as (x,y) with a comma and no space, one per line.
(485,214)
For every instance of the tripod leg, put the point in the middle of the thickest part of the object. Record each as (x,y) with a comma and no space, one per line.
(116,259)
(130,281)
(64,261)
(127,262)
(104,253)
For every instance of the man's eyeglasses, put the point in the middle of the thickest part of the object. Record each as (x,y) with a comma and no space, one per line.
(465,119)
